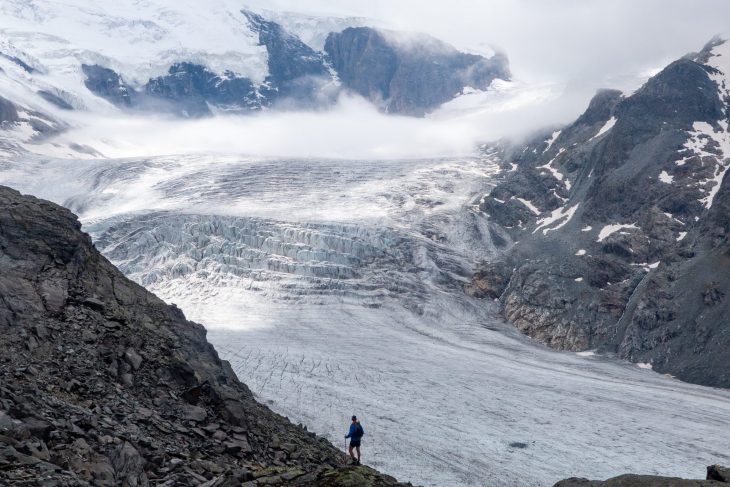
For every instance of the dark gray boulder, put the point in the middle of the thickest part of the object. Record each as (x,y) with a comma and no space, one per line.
(717,472)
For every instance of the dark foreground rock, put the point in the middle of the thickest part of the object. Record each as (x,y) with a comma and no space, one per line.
(716,476)
(102,383)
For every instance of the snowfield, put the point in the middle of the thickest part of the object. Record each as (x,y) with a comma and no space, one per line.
(336,287)
(137,39)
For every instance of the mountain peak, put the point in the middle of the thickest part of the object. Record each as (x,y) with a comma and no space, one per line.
(409,73)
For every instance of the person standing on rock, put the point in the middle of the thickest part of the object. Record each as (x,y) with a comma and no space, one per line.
(355,435)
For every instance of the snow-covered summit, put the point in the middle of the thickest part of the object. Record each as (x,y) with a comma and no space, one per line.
(189,59)
(64,60)
(137,39)
(716,55)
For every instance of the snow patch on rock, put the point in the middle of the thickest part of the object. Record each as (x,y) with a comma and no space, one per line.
(556,174)
(606,127)
(722,139)
(552,140)
(560,215)
(666,178)
(613,228)
(529,205)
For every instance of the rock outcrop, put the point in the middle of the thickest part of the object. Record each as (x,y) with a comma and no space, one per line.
(298,75)
(108,84)
(191,89)
(407,73)
(622,226)
(8,111)
(101,383)
(717,476)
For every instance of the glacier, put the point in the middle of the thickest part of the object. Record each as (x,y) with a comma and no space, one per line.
(335,287)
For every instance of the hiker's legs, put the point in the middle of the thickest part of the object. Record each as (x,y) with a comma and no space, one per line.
(358,453)
(352,455)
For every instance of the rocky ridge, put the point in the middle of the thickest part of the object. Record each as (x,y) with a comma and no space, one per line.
(716,476)
(255,64)
(404,73)
(102,383)
(621,224)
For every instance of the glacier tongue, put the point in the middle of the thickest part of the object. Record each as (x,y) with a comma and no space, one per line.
(335,287)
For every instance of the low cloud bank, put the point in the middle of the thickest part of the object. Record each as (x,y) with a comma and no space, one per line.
(352,129)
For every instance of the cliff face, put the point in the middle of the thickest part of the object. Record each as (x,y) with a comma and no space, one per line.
(101,383)
(622,227)
(407,74)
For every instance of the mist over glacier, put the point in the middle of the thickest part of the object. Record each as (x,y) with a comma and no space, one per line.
(351,129)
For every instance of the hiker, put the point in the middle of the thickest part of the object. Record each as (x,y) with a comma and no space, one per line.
(355,434)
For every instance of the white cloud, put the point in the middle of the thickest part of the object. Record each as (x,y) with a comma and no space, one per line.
(352,129)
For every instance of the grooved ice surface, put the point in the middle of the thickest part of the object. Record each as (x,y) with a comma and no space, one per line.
(335,287)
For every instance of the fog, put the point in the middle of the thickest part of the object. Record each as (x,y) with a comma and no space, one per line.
(351,129)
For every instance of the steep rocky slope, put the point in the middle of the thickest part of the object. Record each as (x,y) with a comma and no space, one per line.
(102,383)
(621,222)
(407,73)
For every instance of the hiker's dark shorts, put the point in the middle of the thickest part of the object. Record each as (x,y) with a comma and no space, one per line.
(354,443)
